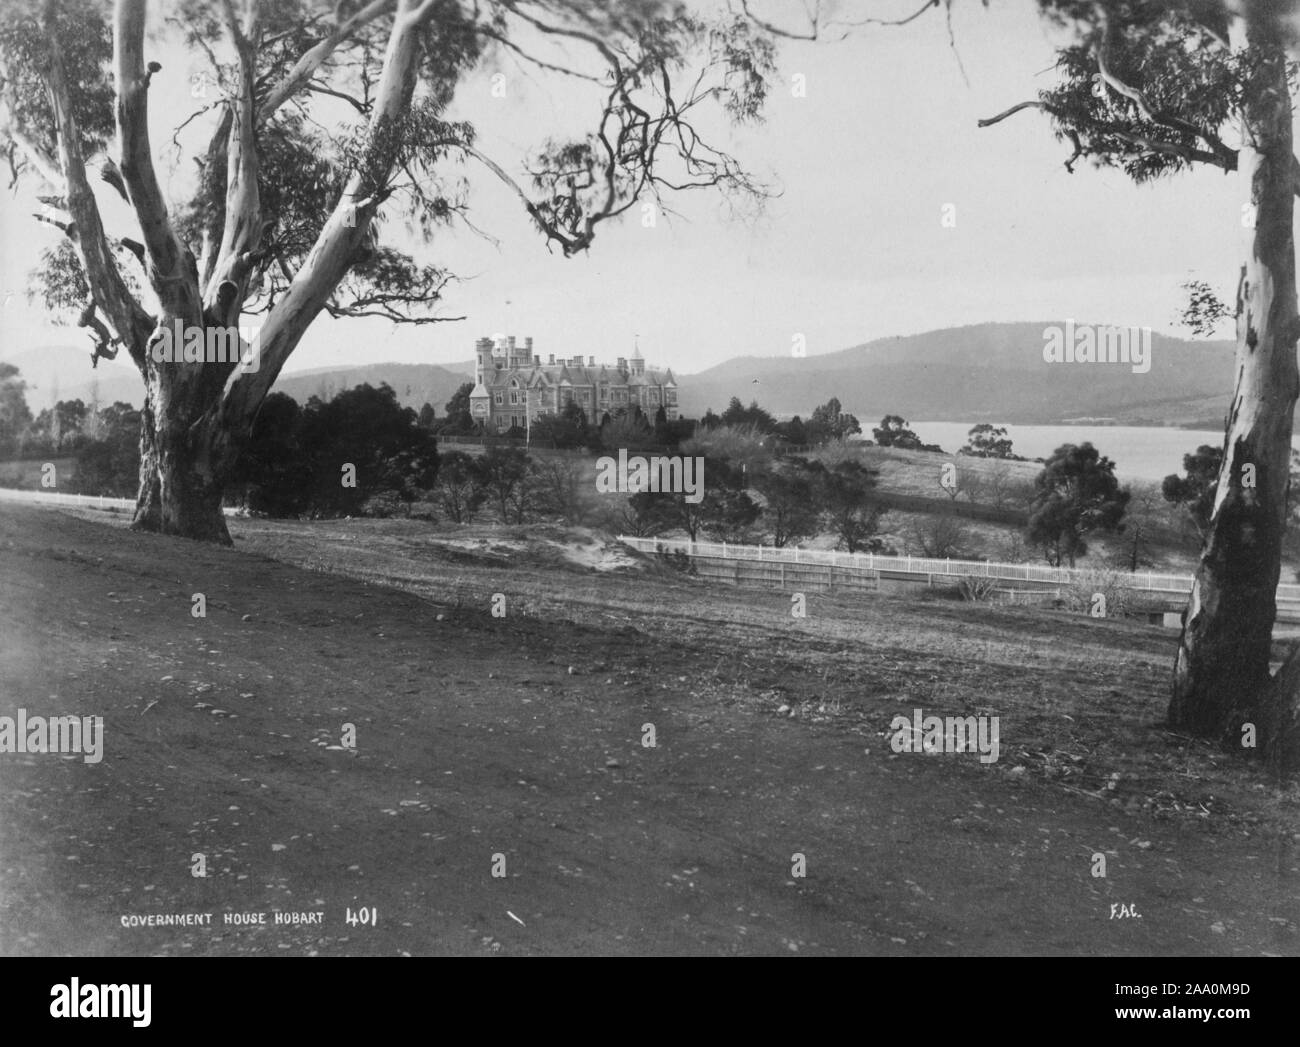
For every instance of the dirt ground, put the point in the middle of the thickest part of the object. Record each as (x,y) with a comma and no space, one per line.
(515,745)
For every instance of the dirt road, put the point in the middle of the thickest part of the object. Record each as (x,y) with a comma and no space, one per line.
(478,750)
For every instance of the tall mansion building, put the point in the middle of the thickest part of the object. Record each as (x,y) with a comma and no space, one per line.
(512,385)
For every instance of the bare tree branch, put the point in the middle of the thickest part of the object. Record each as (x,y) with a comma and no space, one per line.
(360,106)
(1139,99)
(305,68)
(242,228)
(46,166)
(170,267)
(103,278)
(1226,160)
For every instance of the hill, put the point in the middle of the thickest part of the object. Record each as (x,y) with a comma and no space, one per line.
(415,384)
(989,372)
(63,372)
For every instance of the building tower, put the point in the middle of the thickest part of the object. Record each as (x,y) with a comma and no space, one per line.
(482,360)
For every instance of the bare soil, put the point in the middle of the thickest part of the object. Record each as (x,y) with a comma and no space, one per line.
(521,736)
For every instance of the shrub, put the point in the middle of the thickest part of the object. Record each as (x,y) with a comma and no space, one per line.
(1078,595)
(977,589)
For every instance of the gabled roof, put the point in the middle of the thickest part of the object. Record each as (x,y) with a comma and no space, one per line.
(478,390)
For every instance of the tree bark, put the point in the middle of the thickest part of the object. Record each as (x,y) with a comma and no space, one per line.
(148,501)
(1221,672)
(185,462)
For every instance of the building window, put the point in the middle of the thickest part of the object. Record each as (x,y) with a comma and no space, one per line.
(586,397)
(496,399)
(670,396)
(514,396)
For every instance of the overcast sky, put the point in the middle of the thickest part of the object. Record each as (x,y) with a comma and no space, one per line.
(853,249)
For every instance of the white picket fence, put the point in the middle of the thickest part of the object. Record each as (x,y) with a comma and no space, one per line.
(92,501)
(95,501)
(1143,580)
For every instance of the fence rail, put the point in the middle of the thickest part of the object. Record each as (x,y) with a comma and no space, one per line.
(94,501)
(1142,580)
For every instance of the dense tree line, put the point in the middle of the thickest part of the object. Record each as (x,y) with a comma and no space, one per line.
(359,453)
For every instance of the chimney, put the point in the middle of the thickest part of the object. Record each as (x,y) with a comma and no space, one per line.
(511,341)
(551,361)
(537,360)
(576,362)
(528,344)
(622,363)
(591,361)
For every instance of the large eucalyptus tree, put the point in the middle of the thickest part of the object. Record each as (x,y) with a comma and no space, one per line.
(1155,87)
(284,219)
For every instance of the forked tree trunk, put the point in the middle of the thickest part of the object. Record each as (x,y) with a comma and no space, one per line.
(193,428)
(1222,668)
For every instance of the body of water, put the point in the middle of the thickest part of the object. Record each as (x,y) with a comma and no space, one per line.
(1139,452)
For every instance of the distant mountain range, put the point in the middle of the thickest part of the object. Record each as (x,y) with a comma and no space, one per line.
(989,372)
(415,384)
(63,372)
